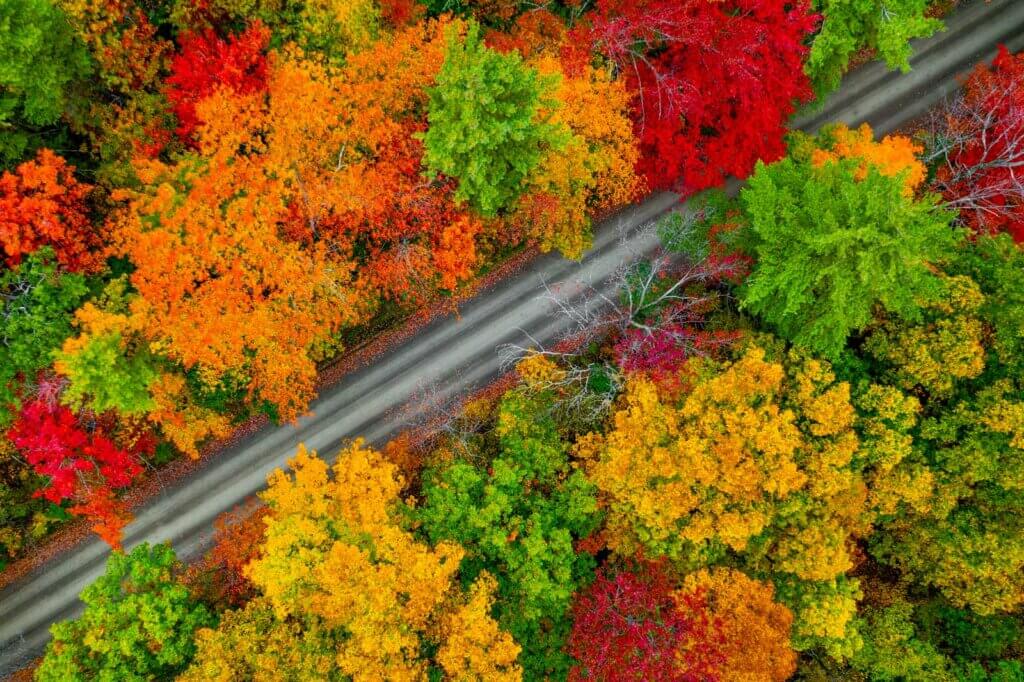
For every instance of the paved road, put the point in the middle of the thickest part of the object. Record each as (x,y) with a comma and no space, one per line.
(456,355)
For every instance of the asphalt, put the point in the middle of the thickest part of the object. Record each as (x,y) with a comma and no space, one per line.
(455,354)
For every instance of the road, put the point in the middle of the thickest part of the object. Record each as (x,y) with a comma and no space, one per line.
(454,355)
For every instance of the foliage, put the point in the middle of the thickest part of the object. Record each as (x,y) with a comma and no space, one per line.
(759,460)
(36,303)
(80,466)
(207,63)
(830,249)
(137,625)
(630,625)
(42,204)
(335,556)
(700,116)
(517,517)
(850,27)
(754,629)
(492,141)
(40,63)
(977,143)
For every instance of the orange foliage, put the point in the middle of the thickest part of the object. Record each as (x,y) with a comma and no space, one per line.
(891,156)
(106,512)
(42,204)
(755,629)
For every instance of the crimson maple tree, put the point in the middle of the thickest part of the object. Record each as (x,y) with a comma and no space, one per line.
(82,466)
(207,62)
(979,140)
(713,82)
(628,626)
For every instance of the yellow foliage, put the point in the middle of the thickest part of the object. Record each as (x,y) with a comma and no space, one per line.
(893,155)
(334,553)
(537,370)
(592,173)
(475,648)
(936,354)
(181,420)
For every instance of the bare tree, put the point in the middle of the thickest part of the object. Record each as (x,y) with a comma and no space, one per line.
(977,137)
(652,296)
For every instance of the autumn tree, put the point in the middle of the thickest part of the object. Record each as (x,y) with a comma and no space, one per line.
(337,557)
(591,174)
(761,460)
(207,62)
(517,518)
(962,536)
(41,62)
(199,245)
(252,643)
(976,141)
(42,204)
(36,306)
(713,82)
(106,368)
(490,142)
(138,622)
(753,628)
(631,624)
(848,28)
(833,244)
(80,466)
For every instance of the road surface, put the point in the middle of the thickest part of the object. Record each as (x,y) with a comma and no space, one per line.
(456,355)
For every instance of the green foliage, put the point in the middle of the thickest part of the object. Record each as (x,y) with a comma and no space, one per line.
(518,517)
(850,26)
(40,58)
(138,623)
(831,249)
(36,306)
(893,651)
(996,264)
(487,124)
(104,377)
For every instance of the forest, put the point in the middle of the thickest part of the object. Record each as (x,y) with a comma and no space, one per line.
(789,446)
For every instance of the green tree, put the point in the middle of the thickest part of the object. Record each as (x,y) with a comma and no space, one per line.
(893,650)
(107,368)
(831,249)
(36,306)
(138,623)
(40,58)
(850,26)
(518,517)
(488,122)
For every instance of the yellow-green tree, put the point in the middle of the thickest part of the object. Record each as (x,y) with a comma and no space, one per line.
(336,558)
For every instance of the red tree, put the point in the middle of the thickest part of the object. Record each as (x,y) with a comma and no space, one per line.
(628,626)
(81,466)
(42,204)
(978,138)
(207,62)
(714,82)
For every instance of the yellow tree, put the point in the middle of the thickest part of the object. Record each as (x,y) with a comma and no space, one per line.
(757,461)
(591,174)
(336,556)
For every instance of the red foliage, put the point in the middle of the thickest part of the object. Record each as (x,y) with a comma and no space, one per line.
(81,466)
(400,13)
(628,626)
(981,139)
(714,82)
(207,62)
(42,204)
